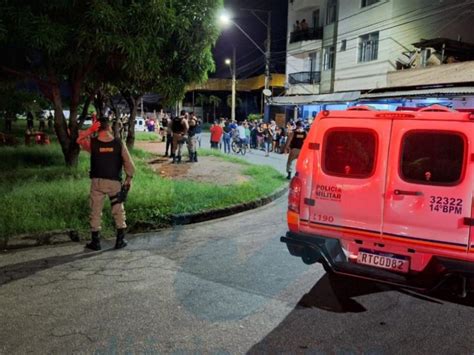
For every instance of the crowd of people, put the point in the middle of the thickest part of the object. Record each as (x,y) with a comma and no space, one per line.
(259,135)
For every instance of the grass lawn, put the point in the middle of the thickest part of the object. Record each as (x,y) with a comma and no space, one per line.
(147,136)
(38,193)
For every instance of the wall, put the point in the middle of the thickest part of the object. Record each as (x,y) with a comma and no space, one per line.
(400,23)
(354,22)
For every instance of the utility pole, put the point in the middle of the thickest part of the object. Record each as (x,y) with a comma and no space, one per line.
(268,49)
(232,115)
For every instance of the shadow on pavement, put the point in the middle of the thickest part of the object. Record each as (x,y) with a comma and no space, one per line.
(335,294)
(318,319)
(19,271)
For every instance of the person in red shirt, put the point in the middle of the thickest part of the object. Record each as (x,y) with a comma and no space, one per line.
(216,135)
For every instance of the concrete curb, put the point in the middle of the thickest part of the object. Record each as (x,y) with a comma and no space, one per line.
(61,237)
(40,239)
(189,218)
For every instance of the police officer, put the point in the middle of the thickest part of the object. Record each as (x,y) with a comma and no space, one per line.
(293,145)
(108,157)
(192,141)
(179,127)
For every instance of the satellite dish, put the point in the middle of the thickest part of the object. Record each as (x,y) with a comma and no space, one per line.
(267,92)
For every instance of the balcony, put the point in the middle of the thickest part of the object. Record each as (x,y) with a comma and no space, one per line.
(304,77)
(310,34)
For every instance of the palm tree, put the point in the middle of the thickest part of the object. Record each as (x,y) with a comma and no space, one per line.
(201,100)
(214,101)
(238,101)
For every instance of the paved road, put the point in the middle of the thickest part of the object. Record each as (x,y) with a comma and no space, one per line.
(226,286)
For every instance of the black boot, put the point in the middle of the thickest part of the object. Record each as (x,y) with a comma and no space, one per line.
(174,159)
(191,157)
(195,157)
(94,244)
(289,175)
(120,242)
(179,159)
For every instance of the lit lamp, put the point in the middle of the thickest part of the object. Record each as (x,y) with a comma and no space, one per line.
(225,19)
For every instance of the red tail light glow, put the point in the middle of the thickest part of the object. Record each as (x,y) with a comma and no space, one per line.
(294,195)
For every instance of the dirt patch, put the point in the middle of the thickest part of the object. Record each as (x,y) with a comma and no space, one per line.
(208,169)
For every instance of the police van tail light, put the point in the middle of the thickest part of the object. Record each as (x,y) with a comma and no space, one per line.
(294,195)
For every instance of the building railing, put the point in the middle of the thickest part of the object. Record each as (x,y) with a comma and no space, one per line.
(305,77)
(310,34)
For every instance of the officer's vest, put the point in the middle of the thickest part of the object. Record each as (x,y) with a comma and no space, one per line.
(192,128)
(177,126)
(106,159)
(298,139)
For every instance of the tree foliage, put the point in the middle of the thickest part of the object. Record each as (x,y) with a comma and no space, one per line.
(68,46)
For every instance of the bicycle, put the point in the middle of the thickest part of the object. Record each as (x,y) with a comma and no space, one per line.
(238,146)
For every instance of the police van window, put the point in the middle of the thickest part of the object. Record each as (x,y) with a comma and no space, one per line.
(432,158)
(350,153)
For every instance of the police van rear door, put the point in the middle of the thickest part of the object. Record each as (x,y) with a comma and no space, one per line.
(348,181)
(429,184)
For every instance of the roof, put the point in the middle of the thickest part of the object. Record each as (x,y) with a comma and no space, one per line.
(440,91)
(315,99)
(250,84)
(458,49)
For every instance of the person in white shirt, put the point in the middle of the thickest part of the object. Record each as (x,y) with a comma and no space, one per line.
(242,135)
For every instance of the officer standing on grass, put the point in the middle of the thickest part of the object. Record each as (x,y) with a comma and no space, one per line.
(179,126)
(293,145)
(108,157)
(192,141)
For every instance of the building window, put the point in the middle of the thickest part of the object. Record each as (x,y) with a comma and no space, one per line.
(328,61)
(368,47)
(350,153)
(331,12)
(343,45)
(432,158)
(313,61)
(366,3)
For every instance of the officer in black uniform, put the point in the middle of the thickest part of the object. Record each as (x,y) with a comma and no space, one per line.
(108,157)
(293,145)
(192,141)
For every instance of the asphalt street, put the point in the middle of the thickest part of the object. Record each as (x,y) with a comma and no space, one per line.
(226,286)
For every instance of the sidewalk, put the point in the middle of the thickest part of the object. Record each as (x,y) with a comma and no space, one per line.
(277,161)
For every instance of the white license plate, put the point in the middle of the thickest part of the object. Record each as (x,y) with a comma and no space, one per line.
(383,262)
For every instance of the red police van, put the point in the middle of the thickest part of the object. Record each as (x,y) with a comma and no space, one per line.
(387,196)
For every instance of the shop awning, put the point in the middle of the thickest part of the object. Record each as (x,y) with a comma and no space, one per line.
(316,99)
(430,92)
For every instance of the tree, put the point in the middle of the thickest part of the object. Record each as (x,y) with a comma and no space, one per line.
(215,101)
(64,44)
(186,31)
(201,100)
(238,101)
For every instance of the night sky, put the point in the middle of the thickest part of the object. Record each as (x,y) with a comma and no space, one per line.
(250,61)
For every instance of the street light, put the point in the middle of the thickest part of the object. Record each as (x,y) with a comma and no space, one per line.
(234,81)
(225,19)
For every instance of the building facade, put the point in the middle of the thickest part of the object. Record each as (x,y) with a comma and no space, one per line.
(341,51)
